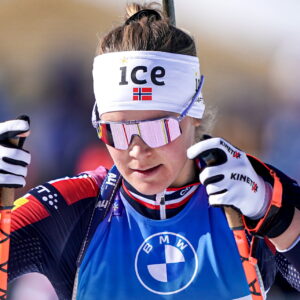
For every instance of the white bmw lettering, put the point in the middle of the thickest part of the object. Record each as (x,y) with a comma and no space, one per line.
(164,239)
(181,245)
(147,248)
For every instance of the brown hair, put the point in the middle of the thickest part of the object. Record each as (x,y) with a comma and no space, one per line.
(147,33)
(150,33)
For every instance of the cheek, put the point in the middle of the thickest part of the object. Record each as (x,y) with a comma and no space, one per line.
(183,142)
(188,136)
(117,155)
(176,150)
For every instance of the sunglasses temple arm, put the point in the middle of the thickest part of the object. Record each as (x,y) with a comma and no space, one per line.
(184,113)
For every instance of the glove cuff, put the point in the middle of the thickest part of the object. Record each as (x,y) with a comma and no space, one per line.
(279,215)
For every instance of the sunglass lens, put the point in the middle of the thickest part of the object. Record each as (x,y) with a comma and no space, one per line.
(154,133)
(160,132)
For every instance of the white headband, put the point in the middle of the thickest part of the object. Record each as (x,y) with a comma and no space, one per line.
(146,80)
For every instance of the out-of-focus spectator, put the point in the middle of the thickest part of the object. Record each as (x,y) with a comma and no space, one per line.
(94,155)
(61,126)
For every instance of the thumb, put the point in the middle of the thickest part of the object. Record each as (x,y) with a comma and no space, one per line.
(208,151)
(194,150)
(24,135)
(191,152)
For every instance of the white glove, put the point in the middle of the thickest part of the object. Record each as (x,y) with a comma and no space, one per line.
(229,177)
(13,159)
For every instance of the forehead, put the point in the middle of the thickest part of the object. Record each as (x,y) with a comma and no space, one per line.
(130,115)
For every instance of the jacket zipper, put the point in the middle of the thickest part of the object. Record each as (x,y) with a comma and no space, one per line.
(160,198)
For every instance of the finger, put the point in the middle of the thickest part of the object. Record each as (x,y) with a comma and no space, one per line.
(218,199)
(24,117)
(12,128)
(213,181)
(22,137)
(210,172)
(11,181)
(15,154)
(215,189)
(13,168)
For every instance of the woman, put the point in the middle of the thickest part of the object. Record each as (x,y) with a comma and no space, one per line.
(156,232)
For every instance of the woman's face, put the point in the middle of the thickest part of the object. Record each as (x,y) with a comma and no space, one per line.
(152,170)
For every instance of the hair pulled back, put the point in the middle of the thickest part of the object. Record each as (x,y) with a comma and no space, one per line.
(147,33)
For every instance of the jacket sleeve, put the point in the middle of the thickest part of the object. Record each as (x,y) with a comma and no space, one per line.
(285,199)
(48,227)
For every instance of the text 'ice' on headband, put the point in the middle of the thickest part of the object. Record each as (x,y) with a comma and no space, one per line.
(146,80)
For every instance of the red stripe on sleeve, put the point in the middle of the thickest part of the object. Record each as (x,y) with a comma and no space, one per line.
(28,211)
(75,189)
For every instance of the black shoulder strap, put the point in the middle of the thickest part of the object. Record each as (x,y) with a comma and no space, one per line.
(104,202)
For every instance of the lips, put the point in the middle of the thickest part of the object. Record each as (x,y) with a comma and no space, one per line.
(147,172)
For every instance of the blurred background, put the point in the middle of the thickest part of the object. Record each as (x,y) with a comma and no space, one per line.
(249,53)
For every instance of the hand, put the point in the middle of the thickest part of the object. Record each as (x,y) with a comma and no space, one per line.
(229,177)
(13,159)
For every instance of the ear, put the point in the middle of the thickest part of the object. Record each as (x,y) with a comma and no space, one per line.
(196,122)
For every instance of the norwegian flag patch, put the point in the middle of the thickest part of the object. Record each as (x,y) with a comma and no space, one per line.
(141,94)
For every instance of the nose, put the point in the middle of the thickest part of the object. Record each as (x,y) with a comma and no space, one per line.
(138,148)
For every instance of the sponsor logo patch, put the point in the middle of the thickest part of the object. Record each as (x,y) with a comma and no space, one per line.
(166,263)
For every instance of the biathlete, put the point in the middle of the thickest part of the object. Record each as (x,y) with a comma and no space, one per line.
(154,226)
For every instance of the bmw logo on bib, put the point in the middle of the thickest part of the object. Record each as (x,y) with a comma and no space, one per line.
(166,263)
